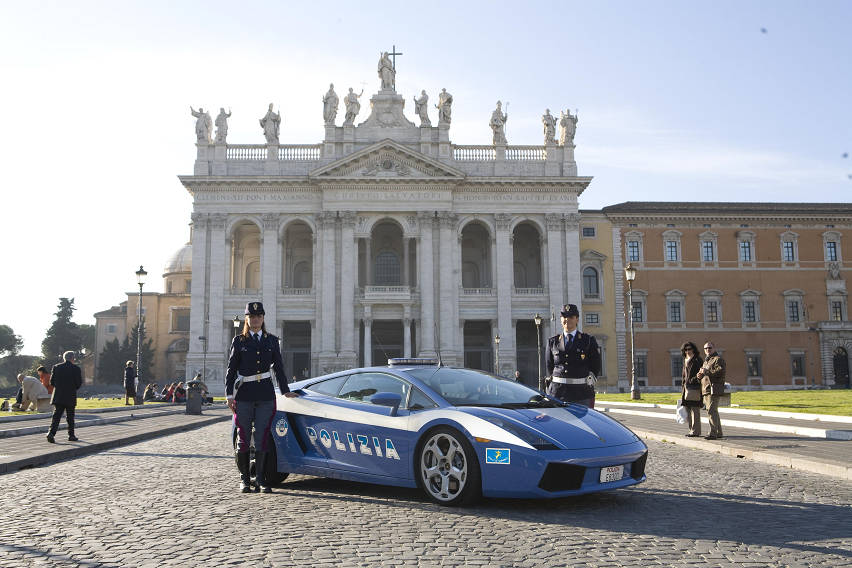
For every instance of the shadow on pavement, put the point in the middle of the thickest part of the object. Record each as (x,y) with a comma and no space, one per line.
(9,551)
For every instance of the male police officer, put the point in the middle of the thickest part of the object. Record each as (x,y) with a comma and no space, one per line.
(571,357)
(255,357)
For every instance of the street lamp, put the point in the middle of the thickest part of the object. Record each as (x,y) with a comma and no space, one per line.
(630,275)
(537,320)
(236,324)
(497,354)
(141,274)
(203,339)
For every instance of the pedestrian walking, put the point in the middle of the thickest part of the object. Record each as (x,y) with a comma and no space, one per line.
(691,387)
(573,361)
(712,375)
(254,359)
(66,378)
(129,382)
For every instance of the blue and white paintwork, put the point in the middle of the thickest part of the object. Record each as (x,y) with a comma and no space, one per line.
(334,436)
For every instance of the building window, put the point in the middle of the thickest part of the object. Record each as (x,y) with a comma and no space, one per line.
(387,269)
(591,289)
(797,364)
(589,232)
(831,251)
(188,287)
(169,287)
(675,311)
(788,251)
(180,320)
(638,316)
(708,251)
(745,251)
(793,311)
(749,311)
(641,364)
(633,251)
(592,318)
(836,311)
(676,360)
(712,311)
(110,328)
(753,366)
(671,251)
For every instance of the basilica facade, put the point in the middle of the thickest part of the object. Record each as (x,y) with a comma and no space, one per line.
(384,240)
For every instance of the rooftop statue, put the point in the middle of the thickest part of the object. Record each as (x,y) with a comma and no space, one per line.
(386,72)
(549,123)
(567,128)
(445,107)
(222,126)
(422,108)
(203,125)
(271,124)
(330,102)
(352,106)
(498,124)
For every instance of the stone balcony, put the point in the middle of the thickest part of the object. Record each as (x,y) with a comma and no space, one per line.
(386,293)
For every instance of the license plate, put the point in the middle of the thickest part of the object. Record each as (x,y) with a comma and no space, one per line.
(612,473)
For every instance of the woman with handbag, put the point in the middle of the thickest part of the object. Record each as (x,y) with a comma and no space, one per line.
(691,387)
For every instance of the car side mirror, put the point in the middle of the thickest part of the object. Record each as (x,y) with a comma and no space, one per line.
(391,399)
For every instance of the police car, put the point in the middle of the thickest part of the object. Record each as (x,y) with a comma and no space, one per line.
(456,433)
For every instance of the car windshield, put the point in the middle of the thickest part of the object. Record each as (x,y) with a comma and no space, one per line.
(469,387)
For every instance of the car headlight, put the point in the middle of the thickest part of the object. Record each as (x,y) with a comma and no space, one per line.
(528,436)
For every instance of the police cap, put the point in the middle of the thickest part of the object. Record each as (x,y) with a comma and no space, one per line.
(255,309)
(570,310)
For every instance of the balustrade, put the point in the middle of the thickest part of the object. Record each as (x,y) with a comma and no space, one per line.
(246,152)
(304,152)
(526,153)
(474,153)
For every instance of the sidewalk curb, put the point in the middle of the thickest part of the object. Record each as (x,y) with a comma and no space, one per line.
(725,448)
(79,451)
(728,410)
(24,417)
(25,430)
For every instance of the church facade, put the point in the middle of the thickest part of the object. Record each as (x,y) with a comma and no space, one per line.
(384,240)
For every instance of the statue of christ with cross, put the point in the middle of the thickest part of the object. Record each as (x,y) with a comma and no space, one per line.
(387,70)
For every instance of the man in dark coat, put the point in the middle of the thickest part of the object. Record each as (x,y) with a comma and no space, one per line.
(573,361)
(66,378)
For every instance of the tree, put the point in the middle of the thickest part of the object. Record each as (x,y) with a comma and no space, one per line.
(114,357)
(10,344)
(63,334)
(111,363)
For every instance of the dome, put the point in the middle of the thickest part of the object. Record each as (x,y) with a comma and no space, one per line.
(180,261)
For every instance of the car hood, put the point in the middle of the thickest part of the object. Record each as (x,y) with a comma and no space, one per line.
(573,427)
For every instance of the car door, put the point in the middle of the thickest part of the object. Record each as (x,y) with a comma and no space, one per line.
(364,438)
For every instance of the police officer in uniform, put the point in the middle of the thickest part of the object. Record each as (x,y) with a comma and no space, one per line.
(254,360)
(573,361)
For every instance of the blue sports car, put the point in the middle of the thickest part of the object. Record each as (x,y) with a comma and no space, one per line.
(455,433)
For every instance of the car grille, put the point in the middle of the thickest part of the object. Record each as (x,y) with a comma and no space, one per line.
(637,468)
(562,477)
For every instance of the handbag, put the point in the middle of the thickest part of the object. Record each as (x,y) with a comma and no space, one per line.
(717,390)
(680,413)
(693,394)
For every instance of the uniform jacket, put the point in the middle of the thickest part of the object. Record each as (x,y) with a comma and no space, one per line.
(690,369)
(250,357)
(714,372)
(66,378)
(576,362)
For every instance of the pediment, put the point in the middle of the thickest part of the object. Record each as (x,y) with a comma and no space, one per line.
(386,160)
(590,254)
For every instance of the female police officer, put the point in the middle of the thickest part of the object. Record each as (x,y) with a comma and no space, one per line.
(255,357)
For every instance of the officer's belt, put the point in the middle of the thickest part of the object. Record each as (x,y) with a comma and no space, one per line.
(257,377)
(565,381)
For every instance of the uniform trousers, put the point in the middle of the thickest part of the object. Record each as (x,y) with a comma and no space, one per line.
(711,403)
(258,413)
(58,409)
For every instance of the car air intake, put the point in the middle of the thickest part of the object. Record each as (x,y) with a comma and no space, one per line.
(637,468)
(562,477)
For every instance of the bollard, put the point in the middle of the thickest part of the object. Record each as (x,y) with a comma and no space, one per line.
(193,397)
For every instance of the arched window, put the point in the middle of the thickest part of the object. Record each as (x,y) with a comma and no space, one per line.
(387,269)
(253,275)
(302,274)
(591,289)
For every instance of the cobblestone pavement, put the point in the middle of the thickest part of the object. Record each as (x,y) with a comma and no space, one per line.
(173,502)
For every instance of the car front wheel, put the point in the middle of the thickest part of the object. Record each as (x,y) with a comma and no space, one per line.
(447,467)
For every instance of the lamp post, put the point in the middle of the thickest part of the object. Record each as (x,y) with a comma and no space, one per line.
(537,320)
(140,279)
(497,354)
(203,339)
(630,275)
(236,324)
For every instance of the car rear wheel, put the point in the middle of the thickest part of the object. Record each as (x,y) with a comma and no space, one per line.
(447,467)
(271,473)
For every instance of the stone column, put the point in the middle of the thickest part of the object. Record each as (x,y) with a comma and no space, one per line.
(405,269)
(348,281)
(448,286)
(217,343)
(368,342)
(505,284)
(327,290)
(555,269)
(427,285)
(572,258)
(368,261)
(406,335)
(269,269)
(200,294)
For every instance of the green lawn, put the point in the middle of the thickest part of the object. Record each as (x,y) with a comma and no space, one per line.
(838,402)
(84,404)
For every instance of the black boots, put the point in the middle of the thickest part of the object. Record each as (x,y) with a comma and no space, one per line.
(245,471)
(260,471)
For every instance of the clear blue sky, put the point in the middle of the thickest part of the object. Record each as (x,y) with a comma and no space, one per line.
(677,101)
